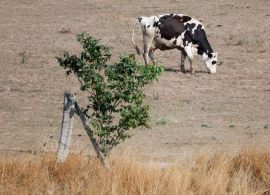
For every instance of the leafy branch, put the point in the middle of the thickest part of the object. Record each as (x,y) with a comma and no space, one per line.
(114,92)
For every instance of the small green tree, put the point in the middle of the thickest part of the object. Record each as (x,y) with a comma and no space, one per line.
(114,92)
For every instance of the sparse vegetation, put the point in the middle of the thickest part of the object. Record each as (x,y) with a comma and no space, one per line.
(243,173)
(231,126)
(24,56)
(228,39)
(155,96)
(242,41)
(65,30)
(262,50)
(221,62)
(162,122)
(205,126)
(233,40)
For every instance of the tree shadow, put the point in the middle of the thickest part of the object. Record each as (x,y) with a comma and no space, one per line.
(201,71)
(172,70)
(187,71)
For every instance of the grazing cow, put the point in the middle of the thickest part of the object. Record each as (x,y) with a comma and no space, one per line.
(172,31)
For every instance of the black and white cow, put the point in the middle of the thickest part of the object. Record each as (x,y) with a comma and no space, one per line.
(172,31)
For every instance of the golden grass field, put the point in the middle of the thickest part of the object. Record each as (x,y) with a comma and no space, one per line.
(244,173)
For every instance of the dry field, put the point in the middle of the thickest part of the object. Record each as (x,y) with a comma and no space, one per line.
(245,173)
(190,114)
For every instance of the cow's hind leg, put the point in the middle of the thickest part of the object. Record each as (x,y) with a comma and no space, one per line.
(145,57)
(147,42)
(152,56)
(183,59)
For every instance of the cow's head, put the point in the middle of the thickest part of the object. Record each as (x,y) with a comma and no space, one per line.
(210,61)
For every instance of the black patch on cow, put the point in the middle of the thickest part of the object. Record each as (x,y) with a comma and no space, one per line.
(186,18)
(187,38)
(210,55)
(204,44)
(144,27)
(214,62)
(170,27)
(148,26)
(199,51)
(199,27)
(155,24)
(182,19)
(190,26)
(199,36)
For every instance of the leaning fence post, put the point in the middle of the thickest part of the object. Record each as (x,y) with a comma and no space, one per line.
(90,135)
(67,125)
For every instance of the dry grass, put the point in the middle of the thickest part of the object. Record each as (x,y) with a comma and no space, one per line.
(244,173)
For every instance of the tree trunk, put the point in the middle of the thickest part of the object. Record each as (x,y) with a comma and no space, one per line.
(90,135)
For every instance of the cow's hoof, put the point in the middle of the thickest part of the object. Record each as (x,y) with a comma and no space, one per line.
(192,71)
(182,68)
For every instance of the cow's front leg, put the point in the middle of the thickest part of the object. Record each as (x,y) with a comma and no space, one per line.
(183,59)
(152,56)
(188,51)
(192,71)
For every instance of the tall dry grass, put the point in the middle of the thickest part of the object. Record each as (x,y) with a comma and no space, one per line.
(243,173)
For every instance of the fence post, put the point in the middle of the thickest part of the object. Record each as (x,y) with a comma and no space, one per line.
(67,125)
(91,137)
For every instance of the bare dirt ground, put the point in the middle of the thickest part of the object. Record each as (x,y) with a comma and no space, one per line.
(229,110)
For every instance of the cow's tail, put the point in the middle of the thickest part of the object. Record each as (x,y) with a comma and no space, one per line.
(133,41)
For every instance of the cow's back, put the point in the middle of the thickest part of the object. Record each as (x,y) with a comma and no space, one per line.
(170,27)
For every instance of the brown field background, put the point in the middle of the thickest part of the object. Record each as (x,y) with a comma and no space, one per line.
(190,114)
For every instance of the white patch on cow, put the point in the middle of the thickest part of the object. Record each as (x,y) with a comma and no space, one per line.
(181,37)
(188,51)
(194,48)
(212,68)
(179,41)
(148,21)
